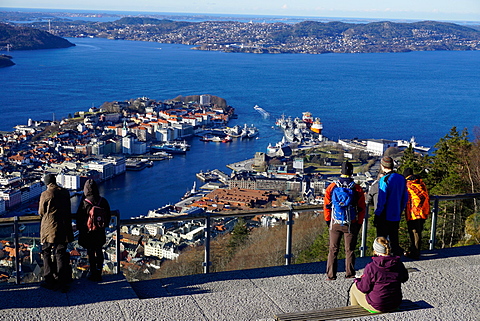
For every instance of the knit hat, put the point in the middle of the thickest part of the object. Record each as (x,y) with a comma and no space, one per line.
(387,162)
(49,178)
(408,172)
(379,248)
(347,168)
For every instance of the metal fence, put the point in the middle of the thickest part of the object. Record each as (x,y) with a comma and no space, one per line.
(208,217)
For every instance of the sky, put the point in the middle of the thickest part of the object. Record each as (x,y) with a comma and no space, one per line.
(444,10)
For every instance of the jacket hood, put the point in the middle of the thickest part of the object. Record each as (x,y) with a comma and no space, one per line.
(90,190)
(385,262)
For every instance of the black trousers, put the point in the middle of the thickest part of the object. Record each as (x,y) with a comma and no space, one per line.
(95,258)
(390,229)
(56,263)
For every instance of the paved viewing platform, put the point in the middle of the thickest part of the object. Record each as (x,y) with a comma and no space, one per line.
(444,285)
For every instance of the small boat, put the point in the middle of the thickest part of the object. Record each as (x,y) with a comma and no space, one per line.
(262,111)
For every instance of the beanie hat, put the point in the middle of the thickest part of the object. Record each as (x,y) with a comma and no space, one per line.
(347,168)
(387,162)
(408,172)
(49,178)
(379,248)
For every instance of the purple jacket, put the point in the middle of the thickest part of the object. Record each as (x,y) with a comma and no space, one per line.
(381,282)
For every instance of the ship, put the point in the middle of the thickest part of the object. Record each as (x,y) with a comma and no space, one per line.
(303,130)
(263,112)
(135,165)
(171,147)
(317,126)
(235,131)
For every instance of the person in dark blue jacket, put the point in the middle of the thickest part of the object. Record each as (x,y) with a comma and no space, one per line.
(392,199)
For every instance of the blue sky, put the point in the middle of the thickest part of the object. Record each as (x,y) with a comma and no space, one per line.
(463,10)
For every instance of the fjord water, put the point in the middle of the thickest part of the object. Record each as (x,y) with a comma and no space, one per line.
(388,95)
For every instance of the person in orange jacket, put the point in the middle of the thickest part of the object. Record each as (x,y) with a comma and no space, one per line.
(344,211)
(416,211)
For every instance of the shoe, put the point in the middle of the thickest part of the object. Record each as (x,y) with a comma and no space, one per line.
(331,279)
(350,276)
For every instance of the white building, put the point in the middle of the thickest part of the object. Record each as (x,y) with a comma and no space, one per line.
(32,191)
(119,164)
(379,146)
(70,180)
(107,169)
(204,99)
(161,250)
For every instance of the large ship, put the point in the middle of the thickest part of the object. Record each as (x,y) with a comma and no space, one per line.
(171,147)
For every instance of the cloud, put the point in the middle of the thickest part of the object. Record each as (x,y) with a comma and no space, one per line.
(285,6)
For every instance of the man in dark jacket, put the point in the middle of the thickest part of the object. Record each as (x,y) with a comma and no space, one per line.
(55,234)
(92,240)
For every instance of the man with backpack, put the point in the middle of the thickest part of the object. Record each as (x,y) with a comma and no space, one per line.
(344,211)
(93,216)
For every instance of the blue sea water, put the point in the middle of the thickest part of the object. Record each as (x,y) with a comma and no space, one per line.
(389,95)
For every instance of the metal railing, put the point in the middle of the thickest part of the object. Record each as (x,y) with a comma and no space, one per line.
(207,217)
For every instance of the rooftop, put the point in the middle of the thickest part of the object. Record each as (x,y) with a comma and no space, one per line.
(444,284)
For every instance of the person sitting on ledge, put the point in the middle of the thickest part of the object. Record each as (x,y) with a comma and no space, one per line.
(379,288)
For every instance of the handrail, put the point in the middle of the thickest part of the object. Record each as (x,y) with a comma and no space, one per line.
(208,216)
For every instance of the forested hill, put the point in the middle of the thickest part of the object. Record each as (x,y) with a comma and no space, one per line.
(305,37)
(26,38)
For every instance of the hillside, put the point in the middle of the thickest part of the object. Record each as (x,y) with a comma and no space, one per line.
(26,38)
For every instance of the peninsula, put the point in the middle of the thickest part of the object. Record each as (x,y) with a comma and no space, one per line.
(308,37)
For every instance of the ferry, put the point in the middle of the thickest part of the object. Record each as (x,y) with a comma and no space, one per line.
(171,148)
(263,112)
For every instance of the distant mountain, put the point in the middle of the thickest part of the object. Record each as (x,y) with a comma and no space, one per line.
(26,38)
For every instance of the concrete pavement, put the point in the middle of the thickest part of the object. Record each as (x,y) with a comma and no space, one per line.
(444,284)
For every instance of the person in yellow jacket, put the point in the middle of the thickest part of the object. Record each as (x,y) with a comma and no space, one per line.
(416,211)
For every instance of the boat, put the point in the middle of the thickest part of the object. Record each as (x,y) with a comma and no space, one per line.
(317,126)
(235,131)
(263,112)
(135,165)
(171,148)
(252,131)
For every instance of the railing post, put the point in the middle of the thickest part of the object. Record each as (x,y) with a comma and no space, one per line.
(433,229)
(363,246)
(206,263)
(288,251)
(117,243)
(17,249)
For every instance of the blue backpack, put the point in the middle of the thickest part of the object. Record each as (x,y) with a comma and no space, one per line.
(344,209)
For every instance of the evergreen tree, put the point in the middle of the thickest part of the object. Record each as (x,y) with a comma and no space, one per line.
(447,176)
